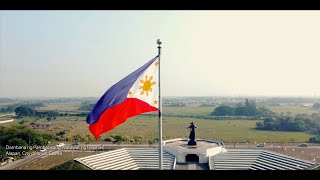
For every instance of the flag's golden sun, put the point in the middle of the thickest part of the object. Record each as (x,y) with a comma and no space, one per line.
(146,85)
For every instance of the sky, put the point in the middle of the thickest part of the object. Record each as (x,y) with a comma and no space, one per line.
(204,53)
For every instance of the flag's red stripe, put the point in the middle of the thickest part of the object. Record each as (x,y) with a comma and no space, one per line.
(118,114)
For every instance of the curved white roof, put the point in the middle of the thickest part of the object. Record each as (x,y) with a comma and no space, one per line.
(246,159)
(128,159)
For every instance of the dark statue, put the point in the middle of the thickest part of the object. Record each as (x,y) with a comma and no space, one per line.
(192,135)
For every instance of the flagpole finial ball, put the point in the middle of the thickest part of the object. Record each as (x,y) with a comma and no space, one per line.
(159,42)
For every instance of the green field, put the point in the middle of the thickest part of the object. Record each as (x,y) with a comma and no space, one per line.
(226,130)
(293,109)
(146,128)
(187,110)
(173,127)
(61,106)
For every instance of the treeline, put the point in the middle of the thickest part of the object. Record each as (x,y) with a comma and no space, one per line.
(205,117)
(116,139)
(12,108)
(175,105)
(299,123)
(315,139)
(86,106)
(249,108)
(29,110)
(24,111)
(298,100)
(21,136)
(62,136)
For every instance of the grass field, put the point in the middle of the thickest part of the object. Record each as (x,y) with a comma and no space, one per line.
(146,127)
(174,127)
(226,130)
(188,110)
(4,118)
(197,110)
(2,104)
(293,109)
(61,106)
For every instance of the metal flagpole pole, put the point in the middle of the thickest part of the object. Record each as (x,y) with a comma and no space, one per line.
(160,110)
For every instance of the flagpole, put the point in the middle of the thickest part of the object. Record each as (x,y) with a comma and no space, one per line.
(160,110)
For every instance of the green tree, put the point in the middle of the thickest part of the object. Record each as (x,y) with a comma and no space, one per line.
(18,142)
(251,107)
(260,125)
(24,111)
(223,111)
(119,139)
(48,137)
(264,112)
(86,106)
(269,124)
(299,125)
(78,138)
(241,111)
(314,140)
(109,139)
(61,133)
(137,139)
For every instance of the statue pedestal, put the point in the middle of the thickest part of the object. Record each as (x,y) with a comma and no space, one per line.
(192,143)
(202,149)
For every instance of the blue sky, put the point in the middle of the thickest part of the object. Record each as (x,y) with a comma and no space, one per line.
(205,53)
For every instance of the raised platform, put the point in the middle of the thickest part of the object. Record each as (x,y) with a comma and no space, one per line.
(199,153)
(207,154)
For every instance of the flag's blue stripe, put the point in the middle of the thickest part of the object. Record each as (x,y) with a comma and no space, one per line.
(116,94)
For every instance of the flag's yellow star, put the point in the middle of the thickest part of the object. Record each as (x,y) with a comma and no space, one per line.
(155,102)
(146,87)
(129,92)
(156,63)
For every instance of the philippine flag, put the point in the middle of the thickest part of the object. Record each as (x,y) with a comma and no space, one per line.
(135,94)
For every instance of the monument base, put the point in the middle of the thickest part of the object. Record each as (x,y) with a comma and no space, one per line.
(192,143)
(198,152)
